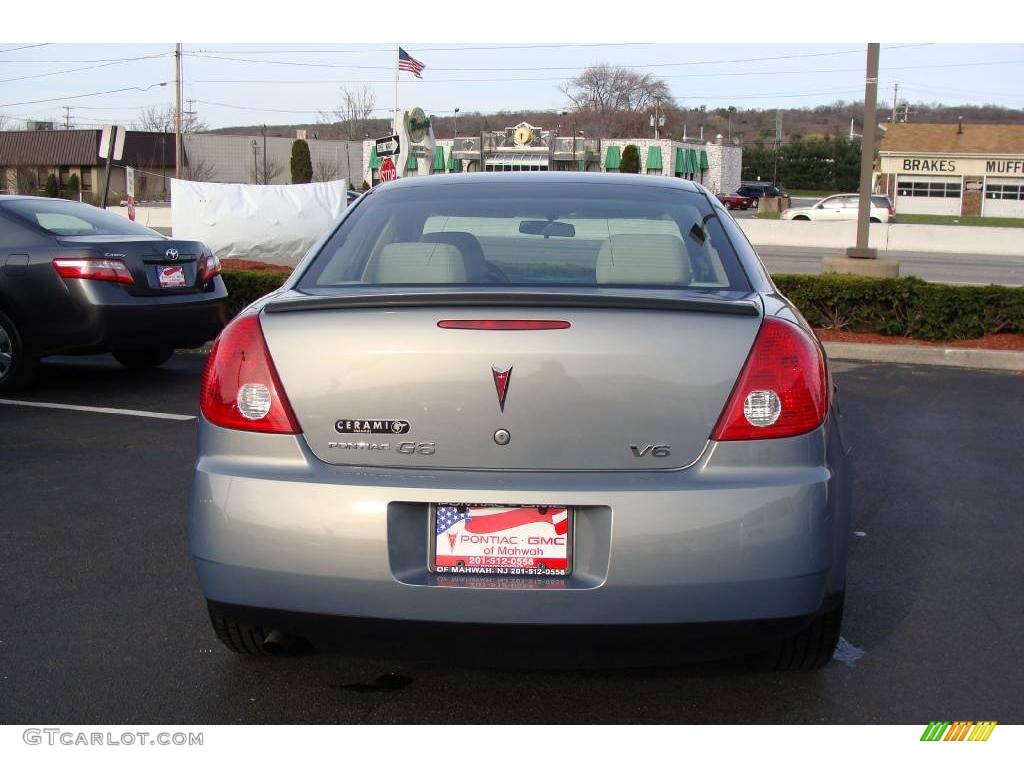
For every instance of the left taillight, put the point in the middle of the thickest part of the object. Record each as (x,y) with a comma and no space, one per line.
(241,389)
(210,268)
(109,270)
(782,390)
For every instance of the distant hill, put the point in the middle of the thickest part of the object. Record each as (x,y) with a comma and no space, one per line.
(748,126)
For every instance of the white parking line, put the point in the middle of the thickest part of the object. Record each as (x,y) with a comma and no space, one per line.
(98,409)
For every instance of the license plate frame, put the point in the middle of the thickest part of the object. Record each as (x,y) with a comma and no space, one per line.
(498,564)
(164,277)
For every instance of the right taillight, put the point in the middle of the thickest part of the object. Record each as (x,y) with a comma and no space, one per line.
(782,390)
(240,388)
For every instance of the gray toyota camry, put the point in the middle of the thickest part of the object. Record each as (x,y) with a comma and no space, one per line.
(564,400)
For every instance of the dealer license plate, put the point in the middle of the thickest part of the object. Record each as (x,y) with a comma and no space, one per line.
(171,277)
(496,539)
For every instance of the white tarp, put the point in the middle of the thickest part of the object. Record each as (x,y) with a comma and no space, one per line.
(275,223)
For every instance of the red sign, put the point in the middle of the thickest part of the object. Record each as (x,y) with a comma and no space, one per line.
(131,207)
(387,170)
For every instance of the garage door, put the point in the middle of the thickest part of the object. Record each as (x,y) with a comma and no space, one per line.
(928,194)
(1003,197)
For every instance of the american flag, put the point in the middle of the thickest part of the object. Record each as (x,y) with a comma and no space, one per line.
(409,64)
(448,516)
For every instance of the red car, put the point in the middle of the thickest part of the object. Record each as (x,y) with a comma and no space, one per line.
(735,201)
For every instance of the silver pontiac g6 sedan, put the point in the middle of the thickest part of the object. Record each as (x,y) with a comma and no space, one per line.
(560,399)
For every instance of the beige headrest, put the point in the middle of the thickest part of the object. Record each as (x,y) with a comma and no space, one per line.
(659,259)
(417,263)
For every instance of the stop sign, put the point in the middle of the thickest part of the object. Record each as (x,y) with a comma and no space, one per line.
(387,170)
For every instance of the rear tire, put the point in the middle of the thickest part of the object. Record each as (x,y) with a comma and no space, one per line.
(17,370)
(801,218)
(873,220)
(810,648)
(140,359)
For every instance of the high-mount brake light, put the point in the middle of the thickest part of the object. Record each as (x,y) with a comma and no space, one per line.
(782,390)
(108,270)
(241,388)
(504,325)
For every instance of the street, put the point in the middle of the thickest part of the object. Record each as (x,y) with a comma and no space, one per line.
(102,620)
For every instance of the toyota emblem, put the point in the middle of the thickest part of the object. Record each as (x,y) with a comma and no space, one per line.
(172,254)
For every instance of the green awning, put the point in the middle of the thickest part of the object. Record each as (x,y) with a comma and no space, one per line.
(412,164)
(374,160)
(704,160)
(680,166)
(612,159)
(438,159)
(454,164)
(693,161)
(654,158)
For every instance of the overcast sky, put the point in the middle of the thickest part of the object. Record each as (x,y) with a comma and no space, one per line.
(244,83)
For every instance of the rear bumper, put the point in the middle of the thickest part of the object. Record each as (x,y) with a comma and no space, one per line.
(106,318)
(750,532)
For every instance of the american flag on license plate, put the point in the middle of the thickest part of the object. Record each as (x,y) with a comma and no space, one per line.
(408,64)
(447,516)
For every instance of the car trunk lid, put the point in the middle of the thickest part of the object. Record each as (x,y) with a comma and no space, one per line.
(634,382)
(159,265)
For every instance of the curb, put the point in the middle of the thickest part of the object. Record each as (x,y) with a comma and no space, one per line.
(989,359)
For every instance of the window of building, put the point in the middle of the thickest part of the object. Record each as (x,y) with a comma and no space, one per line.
(917,188)
(1004,191)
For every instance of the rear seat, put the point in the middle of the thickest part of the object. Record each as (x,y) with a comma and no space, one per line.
(417,263)
(644,259)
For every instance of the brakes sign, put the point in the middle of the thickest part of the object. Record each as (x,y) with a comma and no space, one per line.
(505,540)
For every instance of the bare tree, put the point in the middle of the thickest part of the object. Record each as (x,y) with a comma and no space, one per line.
(607,94)
(200,170)
(355,113)
(161,120)
(267,172)
(325,169)
(4,120)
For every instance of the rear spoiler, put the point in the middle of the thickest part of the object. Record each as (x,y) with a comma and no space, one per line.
(748,307)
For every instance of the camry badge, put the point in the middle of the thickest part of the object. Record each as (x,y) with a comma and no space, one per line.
(172,254)
(501,377)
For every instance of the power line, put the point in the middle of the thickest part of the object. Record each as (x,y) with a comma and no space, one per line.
(83,95)
(419,49)
(81,69)
(23,47)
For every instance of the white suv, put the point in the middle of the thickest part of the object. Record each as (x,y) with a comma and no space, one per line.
(842,208)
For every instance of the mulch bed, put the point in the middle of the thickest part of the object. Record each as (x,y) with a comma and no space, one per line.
(1009,342)
(259,266)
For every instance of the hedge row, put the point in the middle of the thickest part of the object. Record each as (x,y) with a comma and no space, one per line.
(905,306)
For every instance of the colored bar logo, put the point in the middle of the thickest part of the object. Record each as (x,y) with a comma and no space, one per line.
(959,730)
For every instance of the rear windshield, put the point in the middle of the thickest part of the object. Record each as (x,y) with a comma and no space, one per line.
(511,233)
(69,219)
(880,202)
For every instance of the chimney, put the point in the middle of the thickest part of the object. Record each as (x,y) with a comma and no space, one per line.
(960,125)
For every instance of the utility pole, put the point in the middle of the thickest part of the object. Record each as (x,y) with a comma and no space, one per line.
(190,116)
(895,93)
(177,110)
(67,118)
(265,181)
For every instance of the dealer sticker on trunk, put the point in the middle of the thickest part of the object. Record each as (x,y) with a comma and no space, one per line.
(171,277)
(504,540)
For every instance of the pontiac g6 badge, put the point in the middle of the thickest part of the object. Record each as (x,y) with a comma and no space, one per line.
(501,377)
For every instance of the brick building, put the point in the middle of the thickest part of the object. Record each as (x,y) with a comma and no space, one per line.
(955,170)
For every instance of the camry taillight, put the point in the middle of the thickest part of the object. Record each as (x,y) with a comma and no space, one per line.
(240,388)
(210,267)
(110,270)
(782,390)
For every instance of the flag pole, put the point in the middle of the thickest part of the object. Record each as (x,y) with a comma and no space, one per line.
(394,117)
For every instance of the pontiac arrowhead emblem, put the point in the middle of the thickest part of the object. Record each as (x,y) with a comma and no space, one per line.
(501,377)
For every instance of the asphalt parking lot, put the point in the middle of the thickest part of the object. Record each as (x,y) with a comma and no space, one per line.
(101,618)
